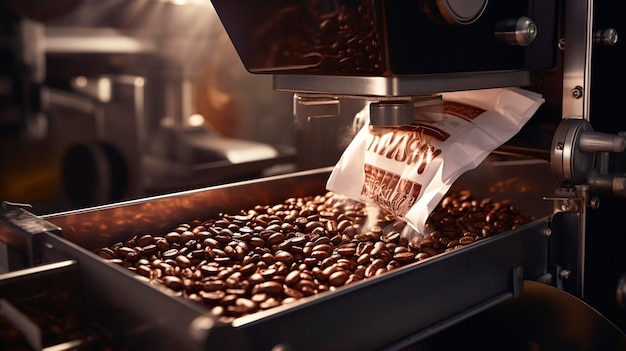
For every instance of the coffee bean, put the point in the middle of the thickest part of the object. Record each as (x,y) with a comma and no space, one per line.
(284,256)
(404,257)
(269,287)
(338,278)
(173,282)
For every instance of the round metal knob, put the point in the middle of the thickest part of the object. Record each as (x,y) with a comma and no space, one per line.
(461,11)
(455,12)
(606,37)
(568,161)
(518,32)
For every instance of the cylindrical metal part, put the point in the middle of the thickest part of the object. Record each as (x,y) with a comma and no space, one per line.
(611,183)
(590,141)
(606,36)
(391,113)
(517,32)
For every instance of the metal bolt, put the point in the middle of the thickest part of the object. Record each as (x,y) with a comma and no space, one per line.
(594,202)
(564,273)
(547,232)
(606,37)
(561,44)
(577,92)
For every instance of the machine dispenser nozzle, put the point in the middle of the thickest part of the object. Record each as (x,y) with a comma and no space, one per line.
(391,113)
(401,111)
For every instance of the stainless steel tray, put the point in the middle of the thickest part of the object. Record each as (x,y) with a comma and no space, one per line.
(403,305)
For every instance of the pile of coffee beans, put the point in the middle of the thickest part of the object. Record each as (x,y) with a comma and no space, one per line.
(238,264)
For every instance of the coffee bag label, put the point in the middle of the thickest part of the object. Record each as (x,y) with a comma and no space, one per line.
(465,111)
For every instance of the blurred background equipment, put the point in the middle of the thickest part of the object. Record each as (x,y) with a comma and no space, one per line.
(107,101)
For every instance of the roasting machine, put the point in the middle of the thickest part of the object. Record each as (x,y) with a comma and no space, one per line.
(557,282)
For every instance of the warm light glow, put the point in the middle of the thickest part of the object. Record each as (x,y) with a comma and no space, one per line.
(80,81)
(195,120)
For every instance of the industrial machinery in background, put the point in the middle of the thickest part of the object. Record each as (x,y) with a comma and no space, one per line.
(105,102)
(558,282)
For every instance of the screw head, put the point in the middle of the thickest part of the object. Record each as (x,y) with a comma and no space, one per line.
(577,92)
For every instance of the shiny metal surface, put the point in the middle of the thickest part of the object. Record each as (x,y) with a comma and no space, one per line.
(520,32)
(400,86)
(569,162)
(389,113)
(577,59)
(608,36)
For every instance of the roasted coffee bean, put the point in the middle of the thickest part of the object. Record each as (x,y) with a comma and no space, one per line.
(338,278)
(284,256)
(183,261)
(430,251)
(186,237)
(465,240)
(145,240)
(346,264)
(328,261)
(276,238)
(212,296)
(173,282)
(106,253)
(269,303)
(293,293)
(306,286)
(124,251)
(171,253)
(311,226)
(259,297)
(321,240)
(285,245)
(248,269)
(246,304)
(320,254)
(323,247)
(293,277)
(144,271)
(363,259)
(404,257)
(346,251)
(269,287)
(172,237)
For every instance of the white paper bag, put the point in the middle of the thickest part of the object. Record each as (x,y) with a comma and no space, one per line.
(407,170)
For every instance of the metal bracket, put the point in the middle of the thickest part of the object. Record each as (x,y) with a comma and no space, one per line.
(21,229)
